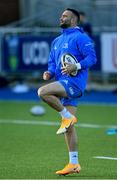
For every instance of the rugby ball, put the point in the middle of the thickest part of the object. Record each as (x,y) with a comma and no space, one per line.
(69,58)
(37,110)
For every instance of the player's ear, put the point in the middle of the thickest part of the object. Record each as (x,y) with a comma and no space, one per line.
(72,20)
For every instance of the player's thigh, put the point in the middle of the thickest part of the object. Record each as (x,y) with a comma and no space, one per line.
(54,88)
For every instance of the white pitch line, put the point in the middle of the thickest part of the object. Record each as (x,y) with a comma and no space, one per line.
(27,122)
(105,157)
(50,123)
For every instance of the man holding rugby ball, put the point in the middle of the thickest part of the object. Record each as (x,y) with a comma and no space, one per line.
(72,53)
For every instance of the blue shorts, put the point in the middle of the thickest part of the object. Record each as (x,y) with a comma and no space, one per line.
(72,91)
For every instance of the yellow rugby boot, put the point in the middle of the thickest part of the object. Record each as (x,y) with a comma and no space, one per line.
(66,123)
(69,169)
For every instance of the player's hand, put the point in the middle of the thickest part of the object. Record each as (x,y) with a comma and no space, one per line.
(46,75)
(68,68)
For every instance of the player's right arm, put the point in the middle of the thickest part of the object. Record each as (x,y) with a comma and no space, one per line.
(51,65)
(47,75)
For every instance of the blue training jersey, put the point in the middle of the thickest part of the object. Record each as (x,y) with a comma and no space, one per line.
(77,43)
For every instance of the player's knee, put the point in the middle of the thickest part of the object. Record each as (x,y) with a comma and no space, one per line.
(41,92)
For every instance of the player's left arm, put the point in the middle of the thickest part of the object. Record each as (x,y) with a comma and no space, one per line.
(86,48)
(69,68)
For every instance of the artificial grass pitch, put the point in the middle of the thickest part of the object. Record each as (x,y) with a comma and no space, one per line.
(34,151)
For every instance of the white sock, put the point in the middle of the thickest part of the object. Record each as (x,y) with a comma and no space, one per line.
(73,157)
(65,113)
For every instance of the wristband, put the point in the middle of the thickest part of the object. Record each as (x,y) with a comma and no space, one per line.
(78,65)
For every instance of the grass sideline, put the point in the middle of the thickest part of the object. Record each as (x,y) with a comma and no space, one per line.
(36,152)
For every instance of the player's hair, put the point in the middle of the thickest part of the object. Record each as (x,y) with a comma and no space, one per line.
(75,12)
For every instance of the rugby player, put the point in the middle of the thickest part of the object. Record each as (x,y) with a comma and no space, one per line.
(63,94)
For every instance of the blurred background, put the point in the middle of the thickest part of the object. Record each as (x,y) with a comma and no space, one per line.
(27,29)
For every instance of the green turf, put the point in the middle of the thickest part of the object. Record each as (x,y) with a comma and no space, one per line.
(36,152)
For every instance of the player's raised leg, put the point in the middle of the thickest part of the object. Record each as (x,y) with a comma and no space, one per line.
(51,94)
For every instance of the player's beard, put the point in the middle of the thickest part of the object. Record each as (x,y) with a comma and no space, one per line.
(65,24)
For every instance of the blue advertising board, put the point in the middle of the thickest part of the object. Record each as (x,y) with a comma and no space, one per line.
(97,66)
(27,53)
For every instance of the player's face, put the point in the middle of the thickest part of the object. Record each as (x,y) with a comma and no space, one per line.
(65,19)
